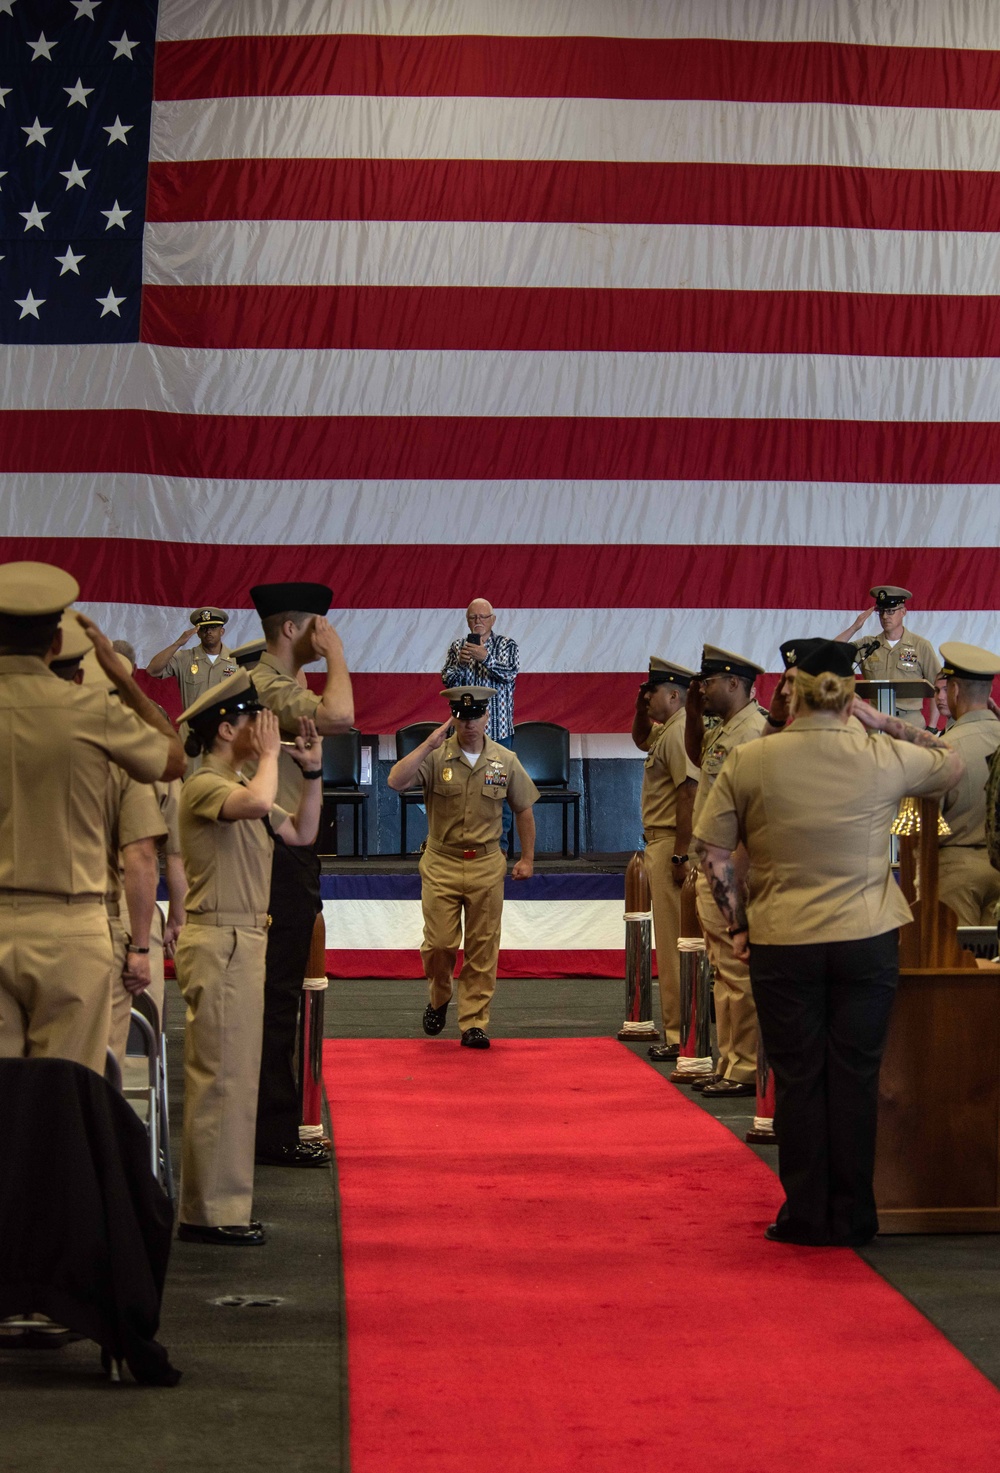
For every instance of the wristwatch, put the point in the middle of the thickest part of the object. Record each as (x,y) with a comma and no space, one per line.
(678,859)
(736,930)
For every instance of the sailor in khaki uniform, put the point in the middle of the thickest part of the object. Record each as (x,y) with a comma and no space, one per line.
(669,783)
(968,883)
(465,777)
(58,741)
(820,928)
(219,957)
(724,689)
(207,664)
(897,653)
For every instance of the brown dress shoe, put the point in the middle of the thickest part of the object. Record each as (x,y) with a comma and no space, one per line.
(728,1089)
(703,1081)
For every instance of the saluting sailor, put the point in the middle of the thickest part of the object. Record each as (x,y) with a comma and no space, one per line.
(897,653)
(195,670)
(465,777)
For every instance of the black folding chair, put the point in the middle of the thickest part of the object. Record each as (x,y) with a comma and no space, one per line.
(408,739)
(542,748)
(342,784)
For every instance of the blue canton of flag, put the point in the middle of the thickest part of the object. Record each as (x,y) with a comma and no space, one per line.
(76,92)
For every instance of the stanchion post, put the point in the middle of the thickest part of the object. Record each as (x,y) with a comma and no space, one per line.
(761,1132)
(314,987)
(638,1022)
(694,1059)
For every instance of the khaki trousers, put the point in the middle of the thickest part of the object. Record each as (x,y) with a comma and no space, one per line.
(450,890)
(666,929)
(220,970)
(55,969)
(735,1014)
(968,884)
(121,999)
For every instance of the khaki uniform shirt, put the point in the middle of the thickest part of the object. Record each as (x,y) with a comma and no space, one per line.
(132,812)
(717,744)
(228,864)
(168,796)
(976,735)
(195,672)
(814,805)
(465,804)
(56,743)
(911,658)
(289,701)
(667,768)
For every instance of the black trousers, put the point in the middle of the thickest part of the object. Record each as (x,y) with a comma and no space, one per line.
(293,905)
(824,1015)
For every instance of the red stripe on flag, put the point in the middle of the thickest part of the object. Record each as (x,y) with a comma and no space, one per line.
(524,319)
(420,447)
(560,190)
(400,964)
(546,575)
(577,66)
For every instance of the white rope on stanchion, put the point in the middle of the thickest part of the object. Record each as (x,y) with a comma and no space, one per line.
(702,1064)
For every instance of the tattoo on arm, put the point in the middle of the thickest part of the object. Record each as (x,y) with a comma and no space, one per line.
(727,891)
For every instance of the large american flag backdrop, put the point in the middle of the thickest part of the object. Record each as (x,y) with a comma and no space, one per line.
(653,322)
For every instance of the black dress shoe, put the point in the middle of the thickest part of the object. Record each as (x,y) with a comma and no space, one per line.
(475,1038)
(303,1153)
(434,1019)
(776,1233)
(223,1237)
(722,1089)
(662,1052)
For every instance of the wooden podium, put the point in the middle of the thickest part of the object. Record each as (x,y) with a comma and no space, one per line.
(937,1164)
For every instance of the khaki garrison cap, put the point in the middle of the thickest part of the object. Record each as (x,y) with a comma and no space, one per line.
(723,662)
(665,672)
(469,700)
(887,597)
(249,654)
(95,674)
(969,662)
(229,698)
(31,590)
(207,615)
(75,643)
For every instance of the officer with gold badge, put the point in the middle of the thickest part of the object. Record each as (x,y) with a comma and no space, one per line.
(465,777)
(723,690)
(669,784)
(196,670)
(897,653)
(58,742)
(227,850)
(968,883)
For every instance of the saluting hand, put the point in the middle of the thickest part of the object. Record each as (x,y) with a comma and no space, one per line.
(439,737)
(188,634)
(325,639)
(695,700)
(265,736)
(781,701)
(308,749)
(107,657)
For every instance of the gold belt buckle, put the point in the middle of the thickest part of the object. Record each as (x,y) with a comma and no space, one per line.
(469,853)
(267,923)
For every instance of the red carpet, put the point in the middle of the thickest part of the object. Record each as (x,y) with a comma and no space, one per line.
(554,1261)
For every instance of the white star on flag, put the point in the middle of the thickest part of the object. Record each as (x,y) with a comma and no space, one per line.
(70,262)
(41,47)
(110,303)
(36,133)
(4,92)
(3,175)
(116,132)
(74,175)
(78,93)
(85,8)
(116,216)
(6,7)
(123,46)
(29,305)
(34,217)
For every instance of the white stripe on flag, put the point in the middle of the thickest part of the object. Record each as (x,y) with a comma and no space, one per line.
(530,254)
(337,381)
(579,513)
